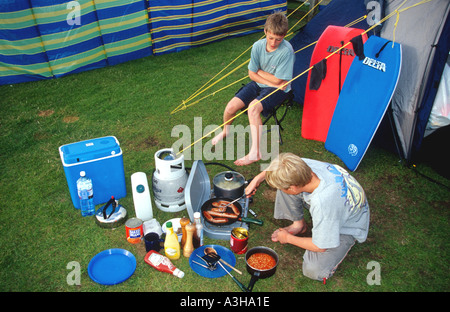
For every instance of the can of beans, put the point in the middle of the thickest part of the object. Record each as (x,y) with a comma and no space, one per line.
(134,230)
(239,240)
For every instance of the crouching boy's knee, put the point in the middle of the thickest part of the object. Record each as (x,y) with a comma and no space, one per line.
(314,271)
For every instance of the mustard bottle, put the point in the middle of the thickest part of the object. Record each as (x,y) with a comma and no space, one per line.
(171,244)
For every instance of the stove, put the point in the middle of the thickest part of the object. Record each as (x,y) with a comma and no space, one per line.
(198,190)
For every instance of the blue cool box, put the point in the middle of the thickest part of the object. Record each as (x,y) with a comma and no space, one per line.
(102,161)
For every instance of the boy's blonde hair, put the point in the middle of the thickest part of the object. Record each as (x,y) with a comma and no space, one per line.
(277,23)
(286,170)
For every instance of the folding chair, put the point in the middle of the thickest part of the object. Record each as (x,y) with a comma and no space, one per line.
(287,104)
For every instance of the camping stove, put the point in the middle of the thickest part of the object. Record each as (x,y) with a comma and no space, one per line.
(169,181)
(198,190)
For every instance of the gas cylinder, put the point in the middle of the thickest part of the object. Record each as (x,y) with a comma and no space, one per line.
(169,181)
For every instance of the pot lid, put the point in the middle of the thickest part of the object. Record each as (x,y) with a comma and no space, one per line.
(198,188)
(229,180)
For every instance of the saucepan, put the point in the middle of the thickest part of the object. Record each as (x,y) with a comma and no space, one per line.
(261,262)
(229,184)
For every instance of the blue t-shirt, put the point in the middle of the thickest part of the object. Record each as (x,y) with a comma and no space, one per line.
(337,206)
(279,63)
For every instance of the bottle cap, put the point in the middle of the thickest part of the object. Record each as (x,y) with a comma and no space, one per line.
(178,273)
(196,215)
(82,173)
(140,188)
(169,224)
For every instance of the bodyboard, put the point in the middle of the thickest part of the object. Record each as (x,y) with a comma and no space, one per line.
(363,101)
(319,104)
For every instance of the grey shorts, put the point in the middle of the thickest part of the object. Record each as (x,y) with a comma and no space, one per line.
(316,265)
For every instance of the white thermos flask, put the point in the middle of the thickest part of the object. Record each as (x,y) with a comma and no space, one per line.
(141,196)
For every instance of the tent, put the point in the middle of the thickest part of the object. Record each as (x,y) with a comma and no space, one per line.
(422,27)
(424,32)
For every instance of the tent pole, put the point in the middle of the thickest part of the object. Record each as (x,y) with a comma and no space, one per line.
(390,114)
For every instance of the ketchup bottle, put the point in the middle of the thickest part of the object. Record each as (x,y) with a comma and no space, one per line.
(162,263)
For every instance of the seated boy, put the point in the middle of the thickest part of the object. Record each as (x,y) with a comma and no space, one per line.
(271,67)
(335,200)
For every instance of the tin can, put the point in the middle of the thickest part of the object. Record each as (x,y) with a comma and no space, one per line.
(134,230)
(239,240)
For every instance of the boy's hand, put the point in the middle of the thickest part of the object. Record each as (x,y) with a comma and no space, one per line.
(280,235)
(251,188)
(253,185)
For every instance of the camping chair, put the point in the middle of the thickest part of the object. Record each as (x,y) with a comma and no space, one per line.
(287,104)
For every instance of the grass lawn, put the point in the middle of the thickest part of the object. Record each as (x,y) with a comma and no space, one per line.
(41,232)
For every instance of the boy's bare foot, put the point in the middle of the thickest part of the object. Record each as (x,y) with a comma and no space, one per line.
(218,137)
(247,160)
(293,229)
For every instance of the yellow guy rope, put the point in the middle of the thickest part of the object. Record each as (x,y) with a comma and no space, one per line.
(356,21)
(185,105)
(304,72)
(203,88)
(196,92)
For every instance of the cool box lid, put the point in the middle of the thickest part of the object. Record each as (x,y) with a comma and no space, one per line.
(198,188)
(89,150)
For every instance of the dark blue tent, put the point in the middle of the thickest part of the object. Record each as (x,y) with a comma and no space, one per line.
(423,29)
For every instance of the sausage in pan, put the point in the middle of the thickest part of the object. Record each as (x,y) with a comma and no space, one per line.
(222,214)
(235,209)
(219,220)
(208,217)
(221,209)
(219,203)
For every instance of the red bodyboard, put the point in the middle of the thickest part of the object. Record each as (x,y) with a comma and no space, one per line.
(318,107)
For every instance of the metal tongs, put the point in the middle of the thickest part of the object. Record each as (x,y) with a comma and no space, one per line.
(232,202)
(212,253)
(211,263)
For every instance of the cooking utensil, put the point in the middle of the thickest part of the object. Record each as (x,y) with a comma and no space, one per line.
(227,205)
(213,253)
(225,254)
(211,263)
(257,274)
(202,265)
(241,286)
(207,206)
(230,184)
(111,215)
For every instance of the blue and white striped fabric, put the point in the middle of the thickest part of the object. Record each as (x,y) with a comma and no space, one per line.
(42,39)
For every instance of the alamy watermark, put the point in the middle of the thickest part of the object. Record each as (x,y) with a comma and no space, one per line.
(74,276)
(234,146)
(374,276)
(74,16)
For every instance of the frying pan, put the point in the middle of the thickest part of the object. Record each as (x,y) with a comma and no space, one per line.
(208,205)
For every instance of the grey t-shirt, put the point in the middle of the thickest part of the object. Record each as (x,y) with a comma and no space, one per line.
(337,206)
(279,63)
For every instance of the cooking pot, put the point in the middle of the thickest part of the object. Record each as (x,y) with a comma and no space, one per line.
(229,184)
(257,274)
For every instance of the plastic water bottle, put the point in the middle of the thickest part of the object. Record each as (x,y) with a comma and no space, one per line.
(86,195)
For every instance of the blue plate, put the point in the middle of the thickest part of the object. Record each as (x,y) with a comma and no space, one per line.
(112,266)
(224,253)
